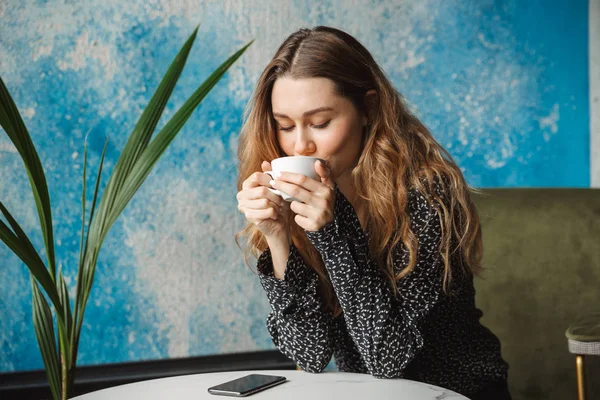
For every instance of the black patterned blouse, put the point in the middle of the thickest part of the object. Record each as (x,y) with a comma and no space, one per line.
(422,333)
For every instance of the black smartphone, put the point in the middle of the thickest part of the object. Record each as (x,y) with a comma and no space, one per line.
(246,385)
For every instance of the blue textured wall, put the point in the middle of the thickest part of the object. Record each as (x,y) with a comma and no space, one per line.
(502,84)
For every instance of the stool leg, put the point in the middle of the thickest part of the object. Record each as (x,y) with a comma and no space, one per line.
(580,378)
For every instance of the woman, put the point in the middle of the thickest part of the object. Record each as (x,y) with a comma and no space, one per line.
(374,263)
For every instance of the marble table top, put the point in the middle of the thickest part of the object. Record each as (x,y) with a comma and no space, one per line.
(299,385)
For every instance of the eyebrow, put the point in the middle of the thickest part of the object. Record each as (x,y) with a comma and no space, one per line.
(307,113)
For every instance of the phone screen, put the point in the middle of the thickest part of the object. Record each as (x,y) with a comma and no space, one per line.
(247,385)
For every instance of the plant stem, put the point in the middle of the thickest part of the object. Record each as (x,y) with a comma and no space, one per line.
(63,345)
(64,378)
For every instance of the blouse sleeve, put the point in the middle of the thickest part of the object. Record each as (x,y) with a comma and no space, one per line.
(298,325)
(384,327)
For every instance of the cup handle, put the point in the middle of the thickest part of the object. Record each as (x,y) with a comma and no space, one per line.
(271,174)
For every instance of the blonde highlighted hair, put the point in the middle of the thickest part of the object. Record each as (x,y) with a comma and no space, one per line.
(398,154)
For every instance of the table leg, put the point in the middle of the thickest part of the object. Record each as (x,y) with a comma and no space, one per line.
(580,378)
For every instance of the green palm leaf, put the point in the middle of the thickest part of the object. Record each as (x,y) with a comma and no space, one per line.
(136,161)
(156,148)
(13,125)
(140,137)
(63,295)
(20,244)
(17,247)
(83,198)
(79,308)
(137,173)
(44,331)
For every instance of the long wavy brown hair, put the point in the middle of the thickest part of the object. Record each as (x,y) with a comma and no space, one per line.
(399,154)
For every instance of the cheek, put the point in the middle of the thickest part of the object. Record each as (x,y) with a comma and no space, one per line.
(286,142)
(344,138)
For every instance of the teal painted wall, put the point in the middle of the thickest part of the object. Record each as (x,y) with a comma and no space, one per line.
(502,84)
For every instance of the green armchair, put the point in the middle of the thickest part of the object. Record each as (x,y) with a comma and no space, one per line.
(542,260)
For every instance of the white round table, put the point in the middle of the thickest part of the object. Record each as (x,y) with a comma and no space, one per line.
(299,386)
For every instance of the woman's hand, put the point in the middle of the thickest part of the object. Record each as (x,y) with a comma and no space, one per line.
(314,209)
(262,207)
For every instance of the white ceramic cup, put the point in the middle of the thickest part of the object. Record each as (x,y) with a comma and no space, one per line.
(298,164)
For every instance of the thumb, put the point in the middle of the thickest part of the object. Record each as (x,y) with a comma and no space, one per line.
(266,166)
(324,173)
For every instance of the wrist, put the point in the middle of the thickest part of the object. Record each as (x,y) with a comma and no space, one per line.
(278,239)
(280,250)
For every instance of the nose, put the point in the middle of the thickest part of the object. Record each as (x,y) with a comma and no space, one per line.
(304,145)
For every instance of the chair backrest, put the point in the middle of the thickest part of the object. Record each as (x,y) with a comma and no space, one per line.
(542,260)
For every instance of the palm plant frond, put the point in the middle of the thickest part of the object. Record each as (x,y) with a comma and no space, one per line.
(44,332)
(136,161)
(11,121)
(75,328)
(20,244)
(140,137)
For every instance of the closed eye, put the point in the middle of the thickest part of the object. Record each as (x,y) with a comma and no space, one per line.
(289,128)
(322,126)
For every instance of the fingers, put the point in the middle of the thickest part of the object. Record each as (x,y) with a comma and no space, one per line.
(258,216)
(315,198)
(304,189)
(259,204)
(256,179)
(306,223)
(300,208)
(312,217)
(258,197)
(260,208)
(298,180)
(298,192)
(256,201)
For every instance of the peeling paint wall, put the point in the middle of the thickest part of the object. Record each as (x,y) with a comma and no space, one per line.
(503,85)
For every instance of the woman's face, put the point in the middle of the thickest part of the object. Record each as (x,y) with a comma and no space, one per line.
(312,120)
